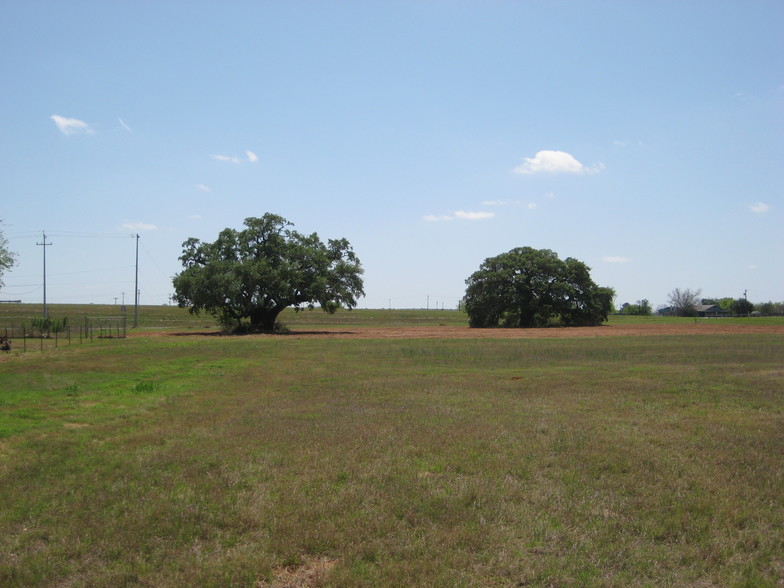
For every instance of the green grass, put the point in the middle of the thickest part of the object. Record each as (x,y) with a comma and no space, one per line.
(175,318)
(232,461)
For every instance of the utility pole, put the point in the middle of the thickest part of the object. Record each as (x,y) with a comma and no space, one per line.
(136,287)
(44,245)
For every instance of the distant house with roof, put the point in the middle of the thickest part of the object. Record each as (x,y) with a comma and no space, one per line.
(710,310)
(700,310)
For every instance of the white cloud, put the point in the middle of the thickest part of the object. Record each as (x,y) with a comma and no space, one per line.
(458,214)
(530,204)
(249,157)
(555,162)
(615,259)
(125,126)
(473,215)
(203,188)
(69,126)
(226,158)
(625,143)
(759,207)
(194,217)
(139,227)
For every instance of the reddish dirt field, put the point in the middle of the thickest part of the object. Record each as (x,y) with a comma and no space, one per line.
(699,328)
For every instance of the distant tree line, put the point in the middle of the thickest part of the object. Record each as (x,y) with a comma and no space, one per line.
(641,308)
(687,303)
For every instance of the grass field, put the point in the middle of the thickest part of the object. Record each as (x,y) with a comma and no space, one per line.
(167,460)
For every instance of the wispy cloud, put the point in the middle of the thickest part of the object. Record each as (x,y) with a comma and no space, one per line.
(125,126)
(615,259)
(459,214)
(555,162)
(70,126)
(249,157)
(529,205)
(759,207)
(203,188)
(467,215)
(226,158)
(626,143)
(194,217)
(139,226)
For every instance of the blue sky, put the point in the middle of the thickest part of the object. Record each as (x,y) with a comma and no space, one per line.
(643,138)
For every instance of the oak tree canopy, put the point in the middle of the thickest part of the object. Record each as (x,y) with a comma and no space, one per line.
(247,277)
(528,287)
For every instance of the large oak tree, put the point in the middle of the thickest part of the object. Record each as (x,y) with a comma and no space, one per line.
(528,287)
(251,275)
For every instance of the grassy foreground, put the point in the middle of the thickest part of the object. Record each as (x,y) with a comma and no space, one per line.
(272,461)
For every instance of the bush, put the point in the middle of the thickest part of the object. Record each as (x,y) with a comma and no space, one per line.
(50,325)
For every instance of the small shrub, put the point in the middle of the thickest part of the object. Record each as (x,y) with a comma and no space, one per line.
(145,387)
(50,325)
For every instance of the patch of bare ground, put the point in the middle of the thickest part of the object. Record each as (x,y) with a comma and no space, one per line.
(450,332)
(312,572)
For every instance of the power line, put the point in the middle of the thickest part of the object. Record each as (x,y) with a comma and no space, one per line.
(44,245)
(71,234)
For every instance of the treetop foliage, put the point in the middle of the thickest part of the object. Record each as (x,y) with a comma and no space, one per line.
(528,287)
(254,273)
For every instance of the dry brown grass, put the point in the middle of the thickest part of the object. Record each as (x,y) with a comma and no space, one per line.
(311,572)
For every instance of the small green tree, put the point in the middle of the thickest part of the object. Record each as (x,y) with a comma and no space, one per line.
(7,257)
(529,287)
(642,308)
(742,307)
(253,274)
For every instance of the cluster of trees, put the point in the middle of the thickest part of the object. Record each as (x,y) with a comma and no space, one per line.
(770,308)
(641,308)
(246,278)
(686,303)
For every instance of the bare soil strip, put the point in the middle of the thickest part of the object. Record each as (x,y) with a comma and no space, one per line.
(448,332)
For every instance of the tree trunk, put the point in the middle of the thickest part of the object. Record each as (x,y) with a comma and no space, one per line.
(263,319)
